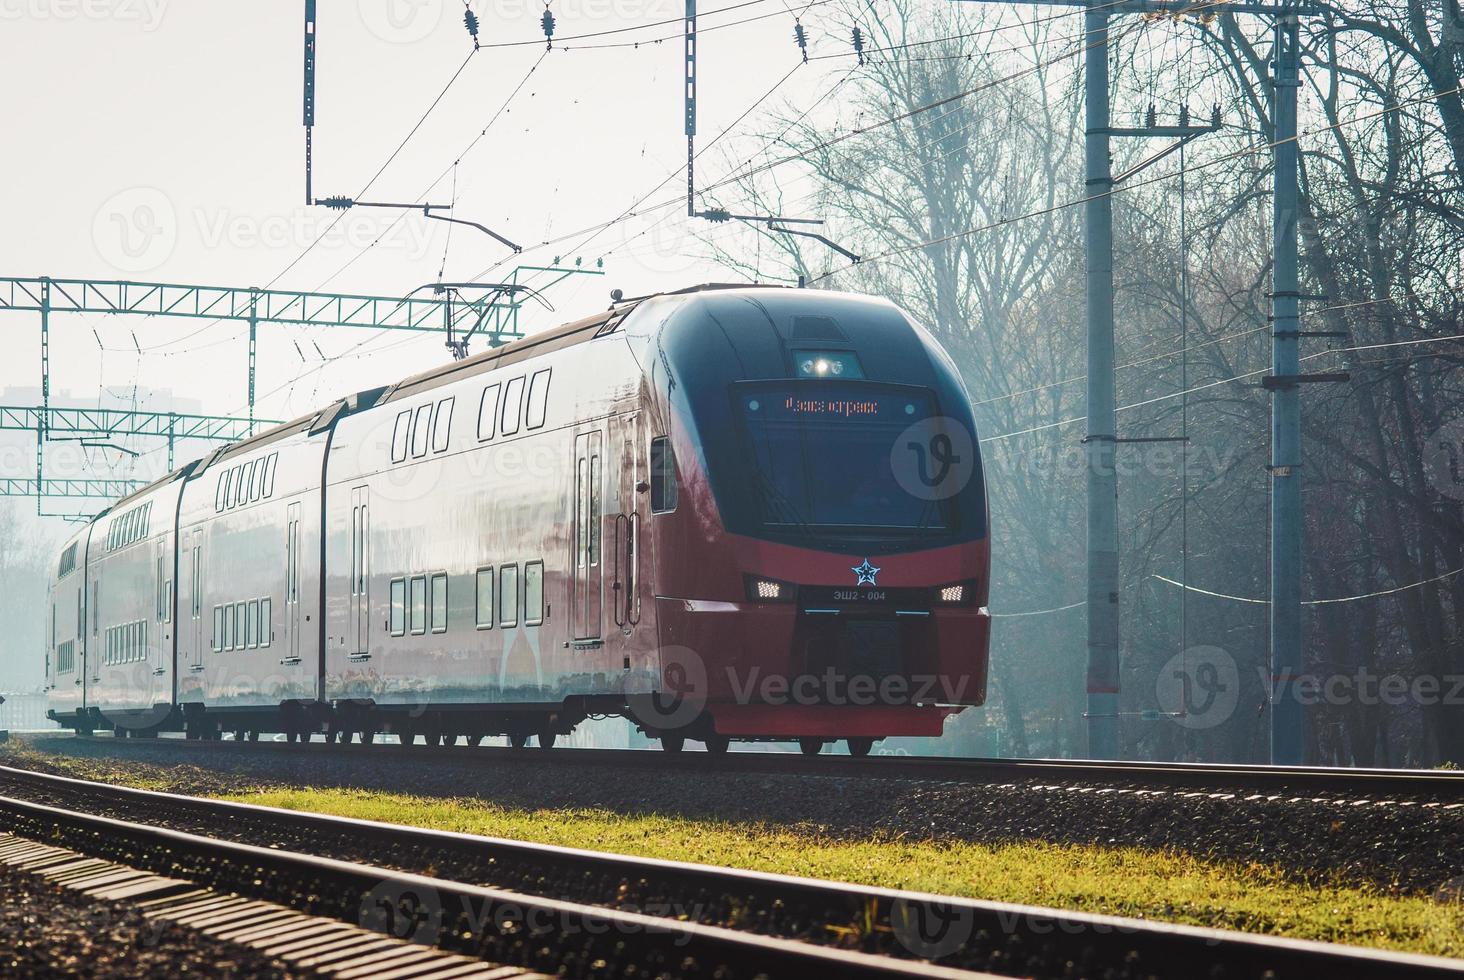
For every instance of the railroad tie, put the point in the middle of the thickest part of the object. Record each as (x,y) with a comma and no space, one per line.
(308,942)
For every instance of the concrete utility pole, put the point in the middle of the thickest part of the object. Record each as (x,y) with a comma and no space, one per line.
(1286,514)
(1102,440)
(1102,435)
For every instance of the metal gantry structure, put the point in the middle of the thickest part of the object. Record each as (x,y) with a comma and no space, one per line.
(494,318)
(1102,438)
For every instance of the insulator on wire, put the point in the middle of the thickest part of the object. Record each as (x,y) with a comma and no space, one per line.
(801,37)
(859,43)
(548,21)
(338,203)
(470,21)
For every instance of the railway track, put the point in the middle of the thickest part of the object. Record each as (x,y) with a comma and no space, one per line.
(595,907)
(1444,787)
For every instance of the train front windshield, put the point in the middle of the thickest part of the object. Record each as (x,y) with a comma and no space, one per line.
(835,455)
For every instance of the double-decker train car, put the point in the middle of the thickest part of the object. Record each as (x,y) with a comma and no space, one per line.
(728,514)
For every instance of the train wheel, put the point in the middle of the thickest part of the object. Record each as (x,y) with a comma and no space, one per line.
(672,743)
(547,739)
(811,746)
(860,746)
(718,744)
(518,739)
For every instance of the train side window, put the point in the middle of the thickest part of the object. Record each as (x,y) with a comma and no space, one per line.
(508,595)
(270,462)
(442,425)
(488,413)
(419,605)
(266,622)
(228,488)
(485,598)
(398,622)
(241,615)
(538,398)
(533,593)
(439,602)
(246,483)
(259,470)
(226,637)
(218,493)
(218,630)
(241,488)
(421,430)
(251,624)
(399,436)
(513,406)
(663,476)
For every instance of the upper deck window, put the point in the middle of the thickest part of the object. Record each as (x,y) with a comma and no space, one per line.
(421,430)
(442,426)
(513,406)
(538,398)
(488,413)
(400,434)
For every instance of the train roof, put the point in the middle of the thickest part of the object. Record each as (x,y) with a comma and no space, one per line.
(555,338)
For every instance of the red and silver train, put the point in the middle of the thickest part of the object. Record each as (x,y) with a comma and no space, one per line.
(728,513)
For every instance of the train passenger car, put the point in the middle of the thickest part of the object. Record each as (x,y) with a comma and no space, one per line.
(129,580)
(66,628)
(479,539)
(726,513)
(249,562)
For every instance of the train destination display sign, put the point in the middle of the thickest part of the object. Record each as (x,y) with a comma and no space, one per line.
(841,403)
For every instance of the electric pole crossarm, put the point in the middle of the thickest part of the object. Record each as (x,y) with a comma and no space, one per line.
(102,422)
(423,314)
(74,489)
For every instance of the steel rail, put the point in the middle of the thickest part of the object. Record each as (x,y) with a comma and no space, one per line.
(1024,940)
(1438,785)
(501,926)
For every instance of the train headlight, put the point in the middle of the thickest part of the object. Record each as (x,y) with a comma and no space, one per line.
(828,364)
(955,594)
(763,589)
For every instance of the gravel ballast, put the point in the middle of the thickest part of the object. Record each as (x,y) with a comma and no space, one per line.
(48,931)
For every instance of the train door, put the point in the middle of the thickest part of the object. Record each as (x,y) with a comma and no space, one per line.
(588,507)
(163,613)
(359,627)
(193,571)
(292,585)
(625,561)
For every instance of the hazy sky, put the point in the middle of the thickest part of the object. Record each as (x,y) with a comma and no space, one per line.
(161,140)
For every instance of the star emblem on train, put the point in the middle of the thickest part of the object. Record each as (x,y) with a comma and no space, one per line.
(866,573)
